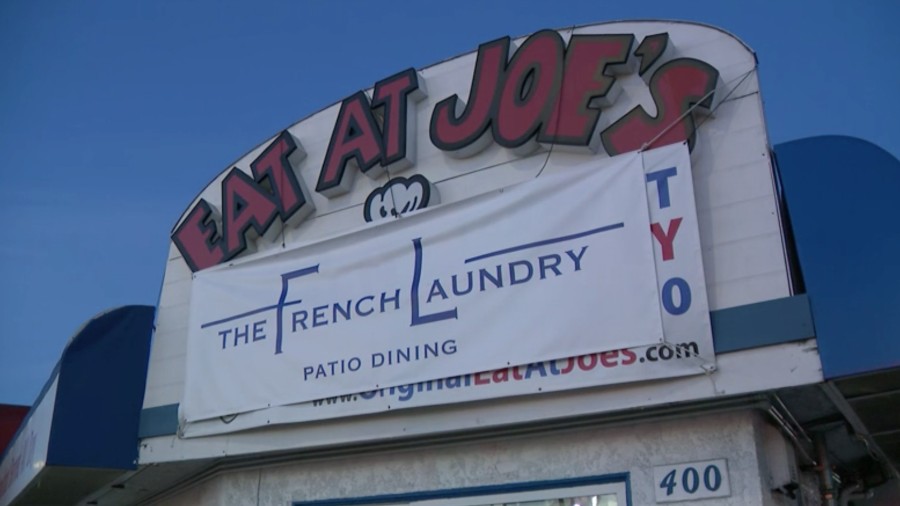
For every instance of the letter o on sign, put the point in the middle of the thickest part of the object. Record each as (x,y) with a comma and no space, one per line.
(684,296)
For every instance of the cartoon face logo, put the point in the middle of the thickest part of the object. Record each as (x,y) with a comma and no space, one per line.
(399,196)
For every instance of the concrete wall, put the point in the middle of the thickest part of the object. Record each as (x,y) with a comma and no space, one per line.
(740,437)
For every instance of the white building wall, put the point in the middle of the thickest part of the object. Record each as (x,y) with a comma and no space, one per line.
(634,449)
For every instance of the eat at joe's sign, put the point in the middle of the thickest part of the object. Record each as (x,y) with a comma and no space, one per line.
(545,91)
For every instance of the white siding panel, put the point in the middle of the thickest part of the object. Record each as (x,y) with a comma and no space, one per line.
(744,274)
(162,395)
(734,183)
(172,317)
(165,381)
(737,221)
(175,293)
(174,254)
(737,292)
(170,343)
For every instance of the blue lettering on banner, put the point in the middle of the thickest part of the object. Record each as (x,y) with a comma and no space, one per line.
(285,279)
(666,241)
(394,356)
(418,319)
(305,318)
(413,353)
(661,178)
(336,312)
(684,295)
(505,274)
(332,368)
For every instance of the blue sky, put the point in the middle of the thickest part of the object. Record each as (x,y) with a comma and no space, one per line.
(114,115)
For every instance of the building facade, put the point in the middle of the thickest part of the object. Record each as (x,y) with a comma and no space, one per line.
(566,275)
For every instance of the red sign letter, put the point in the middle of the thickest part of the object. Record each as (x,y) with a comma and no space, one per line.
(530,87)
(676,86)
(272,169)
(246,208)
(451,131)
(392,94)
(588,57)
(197,238)
(355,141)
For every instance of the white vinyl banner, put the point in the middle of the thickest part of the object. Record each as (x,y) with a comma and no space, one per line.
(547,285)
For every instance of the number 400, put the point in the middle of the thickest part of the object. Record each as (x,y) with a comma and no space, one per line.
(690,479)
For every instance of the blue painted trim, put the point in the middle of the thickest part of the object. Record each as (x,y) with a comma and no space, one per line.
(628,489)
(450,493)
(158,421)
(762,324)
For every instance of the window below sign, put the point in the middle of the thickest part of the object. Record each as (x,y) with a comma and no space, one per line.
(609,490)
